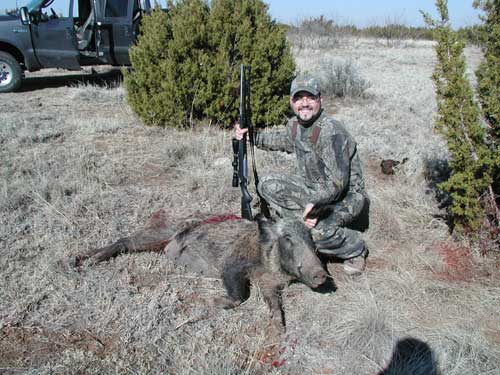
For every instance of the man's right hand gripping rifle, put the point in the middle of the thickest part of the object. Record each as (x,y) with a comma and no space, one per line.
(239,132)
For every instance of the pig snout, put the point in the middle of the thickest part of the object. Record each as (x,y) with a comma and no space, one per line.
(312,276)
(318,277)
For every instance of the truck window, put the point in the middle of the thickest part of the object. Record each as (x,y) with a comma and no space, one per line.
(116,8)
(142,4)
(81,11)
(76,12)
(56,9)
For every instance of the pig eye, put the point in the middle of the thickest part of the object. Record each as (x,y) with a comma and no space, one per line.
(286,241)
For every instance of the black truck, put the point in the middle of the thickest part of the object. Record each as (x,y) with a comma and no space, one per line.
(66,34)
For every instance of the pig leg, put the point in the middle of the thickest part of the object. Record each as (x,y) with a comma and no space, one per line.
(236,281)
(153,237)
(271,289)
(124,245)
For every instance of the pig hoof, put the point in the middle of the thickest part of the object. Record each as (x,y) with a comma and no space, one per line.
(275,327)
(225,302)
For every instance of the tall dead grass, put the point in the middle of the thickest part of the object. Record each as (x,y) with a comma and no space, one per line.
(71,183)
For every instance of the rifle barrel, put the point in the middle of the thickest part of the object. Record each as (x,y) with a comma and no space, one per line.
(246,198)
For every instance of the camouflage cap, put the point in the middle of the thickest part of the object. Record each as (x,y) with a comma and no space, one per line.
(305,83)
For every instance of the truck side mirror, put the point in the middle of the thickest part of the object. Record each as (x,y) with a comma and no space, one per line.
(25,16)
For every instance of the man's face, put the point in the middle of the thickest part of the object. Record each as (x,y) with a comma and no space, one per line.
(305,105)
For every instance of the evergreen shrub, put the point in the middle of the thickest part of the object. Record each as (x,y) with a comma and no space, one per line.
(471,34)
(488,73)
(488,76)
(186,64)
(146,93)
(471,159)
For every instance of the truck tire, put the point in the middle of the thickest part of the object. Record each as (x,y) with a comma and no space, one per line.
(10,73)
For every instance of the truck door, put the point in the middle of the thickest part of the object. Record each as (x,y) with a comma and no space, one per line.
(116,31)
(53,36)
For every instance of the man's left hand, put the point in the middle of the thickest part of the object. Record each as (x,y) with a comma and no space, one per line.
(310,223)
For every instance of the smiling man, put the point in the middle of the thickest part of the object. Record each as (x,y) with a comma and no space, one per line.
(328,189)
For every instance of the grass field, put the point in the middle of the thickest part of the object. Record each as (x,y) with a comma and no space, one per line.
(78,170)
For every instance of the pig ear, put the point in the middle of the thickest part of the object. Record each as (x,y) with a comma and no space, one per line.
(267,229)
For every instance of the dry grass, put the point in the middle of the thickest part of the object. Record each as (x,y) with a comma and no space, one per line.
(79,171)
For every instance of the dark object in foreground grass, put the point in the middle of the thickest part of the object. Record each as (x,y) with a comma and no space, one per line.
(388,166)
(412,356)
(263,253)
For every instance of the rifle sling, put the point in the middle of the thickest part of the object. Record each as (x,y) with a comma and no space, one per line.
(264,208)
(314,134)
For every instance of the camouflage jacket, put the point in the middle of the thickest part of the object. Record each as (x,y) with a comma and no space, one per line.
(327,157)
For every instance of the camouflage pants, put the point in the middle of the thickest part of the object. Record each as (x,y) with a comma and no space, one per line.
(287,196)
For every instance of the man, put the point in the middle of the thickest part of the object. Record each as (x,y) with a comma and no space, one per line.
(329,182)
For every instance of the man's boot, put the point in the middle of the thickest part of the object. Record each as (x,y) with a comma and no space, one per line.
(342,243)
(356,265)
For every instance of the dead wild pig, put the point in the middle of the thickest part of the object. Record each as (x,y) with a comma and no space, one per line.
(263,253)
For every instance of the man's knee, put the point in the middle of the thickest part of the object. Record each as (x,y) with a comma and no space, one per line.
(341,242)
(269,185)
(283,192)
(361,221)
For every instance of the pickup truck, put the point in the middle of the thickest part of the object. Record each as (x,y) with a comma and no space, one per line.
(66,34)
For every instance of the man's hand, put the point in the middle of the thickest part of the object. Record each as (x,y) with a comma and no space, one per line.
(310,223)
(239,132)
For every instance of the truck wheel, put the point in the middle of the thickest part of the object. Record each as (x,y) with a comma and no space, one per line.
(10,73)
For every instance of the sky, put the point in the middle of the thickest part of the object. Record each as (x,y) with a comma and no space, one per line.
(369,12)
(359,12)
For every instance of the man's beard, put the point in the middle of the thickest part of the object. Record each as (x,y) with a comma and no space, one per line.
(306,114)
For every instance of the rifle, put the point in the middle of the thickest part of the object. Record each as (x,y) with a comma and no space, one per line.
(240,164)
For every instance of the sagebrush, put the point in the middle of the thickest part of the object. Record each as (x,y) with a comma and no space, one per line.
(341,79)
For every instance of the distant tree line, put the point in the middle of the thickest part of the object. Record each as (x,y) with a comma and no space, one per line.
(10,11)
(391,30)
